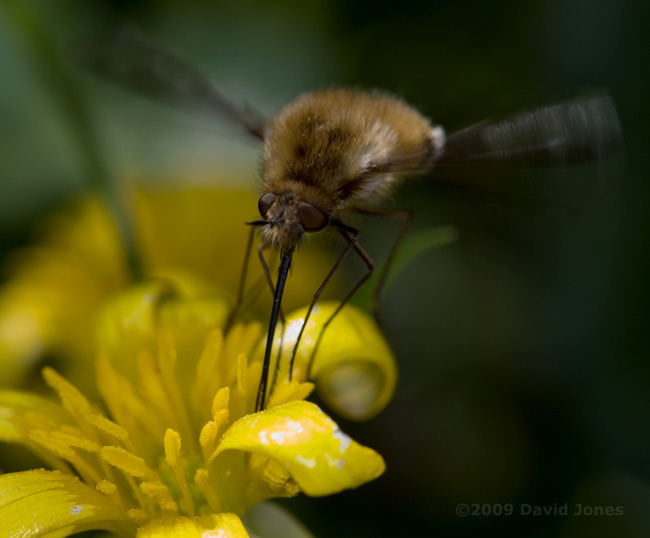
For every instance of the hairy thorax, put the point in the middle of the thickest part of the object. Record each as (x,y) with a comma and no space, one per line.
(337,148)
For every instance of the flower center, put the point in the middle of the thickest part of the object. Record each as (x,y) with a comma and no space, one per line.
(158,457)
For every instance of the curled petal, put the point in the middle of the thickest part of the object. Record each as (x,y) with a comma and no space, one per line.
(223,525)
(305,441)
(44,503)
(354,369)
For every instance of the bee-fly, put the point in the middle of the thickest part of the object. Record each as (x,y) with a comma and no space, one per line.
(328,153)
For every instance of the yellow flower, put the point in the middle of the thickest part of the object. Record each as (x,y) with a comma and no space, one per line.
(56,286)
(49,303)
(178,451)
(355,374)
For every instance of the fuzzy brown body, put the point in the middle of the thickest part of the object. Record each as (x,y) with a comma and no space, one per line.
(337,149)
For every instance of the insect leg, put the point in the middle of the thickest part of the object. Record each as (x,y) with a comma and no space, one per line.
(267,275)
(406,217)
(253,293)
(242,279)
(350,234)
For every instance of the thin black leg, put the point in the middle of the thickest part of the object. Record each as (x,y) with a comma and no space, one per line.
(349,233)
(406,217)
(242,280)
(352,235)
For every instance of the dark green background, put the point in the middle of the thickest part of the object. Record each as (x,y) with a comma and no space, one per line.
(523,347)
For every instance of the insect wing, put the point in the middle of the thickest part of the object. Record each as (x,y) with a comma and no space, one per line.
(129,59)
(572,132)
(532,154)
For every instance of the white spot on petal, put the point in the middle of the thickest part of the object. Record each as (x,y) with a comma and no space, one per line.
(76,509)
(295,425)
(220,533)
(292,331)
(278,437)
(344,440)
(307,462)
(338,463)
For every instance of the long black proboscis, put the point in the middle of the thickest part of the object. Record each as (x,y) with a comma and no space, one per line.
(283,272)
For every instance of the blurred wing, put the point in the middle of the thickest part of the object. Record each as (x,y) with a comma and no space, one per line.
(578,131)
(130,60)
(531,155)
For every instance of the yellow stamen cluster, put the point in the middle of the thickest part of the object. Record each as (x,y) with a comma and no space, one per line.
(159,456)
(178,449)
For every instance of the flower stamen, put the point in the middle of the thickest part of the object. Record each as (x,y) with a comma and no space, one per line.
(159,492)
(131,466)
(167,364)
(61,449)
(137,514)
(110,489)
(208,439)
(207,371)
(126,462)
(75,441)
(172,456)
(152,389)
(201,480)
(126,408)
(172,420)
(221,400)
(106,487)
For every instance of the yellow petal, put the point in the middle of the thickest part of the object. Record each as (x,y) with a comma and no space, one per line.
(131,321)
(14,405)
(198,309)
(39,502)
(224,525)
(23,334)
(354,369)
(126,325)
(56,286)
(305,441)
(134,313)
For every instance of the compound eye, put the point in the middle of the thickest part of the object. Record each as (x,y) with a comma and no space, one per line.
(311,218)
(265,202)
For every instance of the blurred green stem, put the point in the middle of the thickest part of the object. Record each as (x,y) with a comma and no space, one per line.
(70,102)
(415,244)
